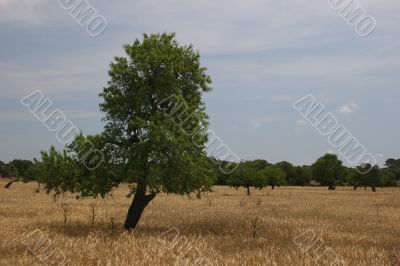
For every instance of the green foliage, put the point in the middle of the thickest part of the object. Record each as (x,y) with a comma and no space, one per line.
(221,176)
(245,176)
(23,168)
(272,175)
(68,171)
(302,176)
(143,92)
(257,174)
(18,169)
(8,170)
(393,163)
(295,175)
(328,170)
(289,171)
(367,175)
(393,166)
(349,176)
(98,173)
(388,177)
(57,171)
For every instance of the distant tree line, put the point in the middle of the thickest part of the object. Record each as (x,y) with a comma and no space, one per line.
(23,169)
(326,171)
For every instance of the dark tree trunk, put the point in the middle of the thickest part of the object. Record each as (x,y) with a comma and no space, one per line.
(38,188)
(139,203)
(248,191)
(355,187)
(332,187)
(8,185)
(273,187)
(373,189)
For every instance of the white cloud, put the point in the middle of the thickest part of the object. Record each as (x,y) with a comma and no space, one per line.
(348,108)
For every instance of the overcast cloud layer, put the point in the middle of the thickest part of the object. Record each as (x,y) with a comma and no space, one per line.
(262,56)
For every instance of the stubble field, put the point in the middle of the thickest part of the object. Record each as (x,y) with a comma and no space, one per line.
(287,226)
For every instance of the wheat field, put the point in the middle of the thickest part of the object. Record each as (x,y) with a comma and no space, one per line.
(285,226)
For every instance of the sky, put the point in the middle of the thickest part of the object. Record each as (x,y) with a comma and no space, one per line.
(262,57)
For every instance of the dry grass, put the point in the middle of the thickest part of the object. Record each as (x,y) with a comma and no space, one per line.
(223,228)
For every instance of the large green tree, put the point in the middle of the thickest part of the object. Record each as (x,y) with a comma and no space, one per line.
(162,149)
(155,129)
(328,170)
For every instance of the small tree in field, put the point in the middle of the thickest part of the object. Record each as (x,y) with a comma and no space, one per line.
(69,170)
(273,175)
(247,175)
(146,142)
(328,170)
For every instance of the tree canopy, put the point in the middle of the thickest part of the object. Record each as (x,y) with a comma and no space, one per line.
(328,170)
